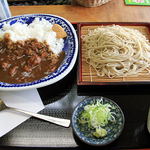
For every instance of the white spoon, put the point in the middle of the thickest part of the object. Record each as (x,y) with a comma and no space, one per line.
(148,121)
(58,121)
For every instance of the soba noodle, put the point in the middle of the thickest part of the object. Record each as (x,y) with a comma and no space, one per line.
(116,51)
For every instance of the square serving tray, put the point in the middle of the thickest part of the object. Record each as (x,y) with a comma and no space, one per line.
(87,75)
(61,98)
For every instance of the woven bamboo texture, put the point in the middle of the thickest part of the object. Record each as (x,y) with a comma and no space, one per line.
(88,74)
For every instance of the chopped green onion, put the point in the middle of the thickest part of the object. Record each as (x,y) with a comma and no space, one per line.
(97,116)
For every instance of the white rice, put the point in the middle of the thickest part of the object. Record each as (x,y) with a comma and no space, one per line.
(38,29)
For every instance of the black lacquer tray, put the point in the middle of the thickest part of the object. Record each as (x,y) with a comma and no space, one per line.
(60,100)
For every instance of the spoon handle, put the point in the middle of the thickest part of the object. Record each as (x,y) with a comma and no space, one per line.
(58,121)
(148,121)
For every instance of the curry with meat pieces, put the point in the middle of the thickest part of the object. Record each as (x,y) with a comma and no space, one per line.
(26,61)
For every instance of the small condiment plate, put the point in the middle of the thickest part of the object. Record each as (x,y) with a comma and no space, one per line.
(114,129)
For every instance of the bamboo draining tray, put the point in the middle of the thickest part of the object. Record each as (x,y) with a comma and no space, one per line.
(87,75)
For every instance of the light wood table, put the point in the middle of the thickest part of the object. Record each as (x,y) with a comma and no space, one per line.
(114,11)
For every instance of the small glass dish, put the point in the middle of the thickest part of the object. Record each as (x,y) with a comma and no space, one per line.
(114,129)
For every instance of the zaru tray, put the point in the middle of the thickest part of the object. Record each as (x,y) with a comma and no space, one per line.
(87,75)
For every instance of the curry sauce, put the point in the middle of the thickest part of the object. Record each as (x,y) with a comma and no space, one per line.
(26,61)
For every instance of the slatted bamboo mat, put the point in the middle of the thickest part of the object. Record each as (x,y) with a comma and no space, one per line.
(88,74)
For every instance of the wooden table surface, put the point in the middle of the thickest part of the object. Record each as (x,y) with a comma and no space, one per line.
(114,11)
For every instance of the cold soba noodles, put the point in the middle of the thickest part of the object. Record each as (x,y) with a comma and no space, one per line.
(116,51)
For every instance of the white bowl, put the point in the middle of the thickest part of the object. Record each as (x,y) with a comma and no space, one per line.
(70,49)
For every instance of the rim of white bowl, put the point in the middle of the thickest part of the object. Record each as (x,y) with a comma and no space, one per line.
(57,78)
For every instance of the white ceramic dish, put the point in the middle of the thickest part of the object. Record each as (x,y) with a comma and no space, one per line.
(70,49)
